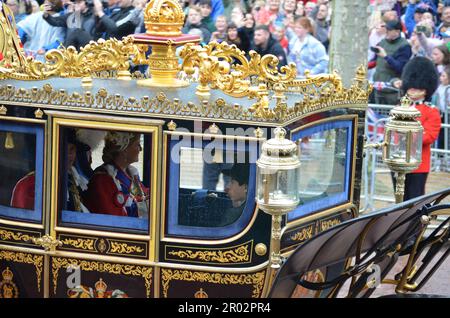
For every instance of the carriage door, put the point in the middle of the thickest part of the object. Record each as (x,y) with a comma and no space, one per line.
(23,264)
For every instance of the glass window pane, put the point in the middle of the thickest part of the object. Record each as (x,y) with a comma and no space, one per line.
(21,171)
(325,156)
(211,187)
(104,179)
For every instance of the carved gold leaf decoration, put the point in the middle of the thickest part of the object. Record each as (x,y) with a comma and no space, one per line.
(326,224)
(85,244)
(238,255)
(163,17)
(255,279)
(103,55)
(103,267)
(303,234)
(25,258)
(6,235)
(124,248)
(226,67)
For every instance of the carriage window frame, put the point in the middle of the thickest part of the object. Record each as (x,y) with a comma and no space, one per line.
(344,197)
(37,128)
(70,221)
(172,182)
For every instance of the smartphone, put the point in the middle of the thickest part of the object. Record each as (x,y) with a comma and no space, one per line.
(374,49)
(421,29)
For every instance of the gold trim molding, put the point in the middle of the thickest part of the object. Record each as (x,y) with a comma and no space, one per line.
(105,101)
(36,260)
(238,254)
(102,267)
(255,279)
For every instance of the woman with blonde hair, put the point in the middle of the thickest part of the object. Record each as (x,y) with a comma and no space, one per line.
(305,50)
(115,187)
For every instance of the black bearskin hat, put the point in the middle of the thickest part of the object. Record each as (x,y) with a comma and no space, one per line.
(420,73)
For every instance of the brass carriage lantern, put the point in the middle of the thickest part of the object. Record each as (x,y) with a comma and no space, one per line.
(402,151)
(277,184)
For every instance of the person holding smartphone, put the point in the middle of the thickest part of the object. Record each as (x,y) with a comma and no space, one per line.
(392,53)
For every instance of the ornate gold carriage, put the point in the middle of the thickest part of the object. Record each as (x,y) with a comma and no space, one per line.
(203,98)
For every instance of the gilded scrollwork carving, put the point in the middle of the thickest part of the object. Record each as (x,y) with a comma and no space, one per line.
(36,260)
(303,234)
(312,99)
(255,279)
(103,55)
(237,255)
(6,235)
(103,267)
(124,248)
(84,244)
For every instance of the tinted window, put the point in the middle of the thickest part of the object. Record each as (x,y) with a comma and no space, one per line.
(21,170)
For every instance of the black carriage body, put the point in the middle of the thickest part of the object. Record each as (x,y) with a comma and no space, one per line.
(178,252)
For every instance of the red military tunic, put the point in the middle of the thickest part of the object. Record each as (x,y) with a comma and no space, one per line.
(112,195)
(23,193)
(431,122)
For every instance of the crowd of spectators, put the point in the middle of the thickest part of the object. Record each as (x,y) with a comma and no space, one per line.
(406,29)
(293,30)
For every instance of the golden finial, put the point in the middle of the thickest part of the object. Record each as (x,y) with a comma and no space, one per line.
(38,113)
(163,18)
(361,73)
(201,294)
(405,101)
(172,125)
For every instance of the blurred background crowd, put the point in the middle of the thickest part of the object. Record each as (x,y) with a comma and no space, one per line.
(293,30)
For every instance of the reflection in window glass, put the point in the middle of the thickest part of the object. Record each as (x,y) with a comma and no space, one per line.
(21,171)
(325,155)
(102,173)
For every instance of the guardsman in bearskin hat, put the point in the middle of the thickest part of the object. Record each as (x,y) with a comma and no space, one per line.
(419,81)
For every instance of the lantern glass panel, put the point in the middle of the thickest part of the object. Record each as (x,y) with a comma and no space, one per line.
(277,187)
(397,145)
(416,146)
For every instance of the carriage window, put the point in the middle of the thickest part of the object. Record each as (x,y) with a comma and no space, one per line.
(211,187)
(104,178)
(21,170)
(325,155)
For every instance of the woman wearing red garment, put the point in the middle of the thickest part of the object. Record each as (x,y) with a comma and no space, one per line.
(115,187)
(419,81)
